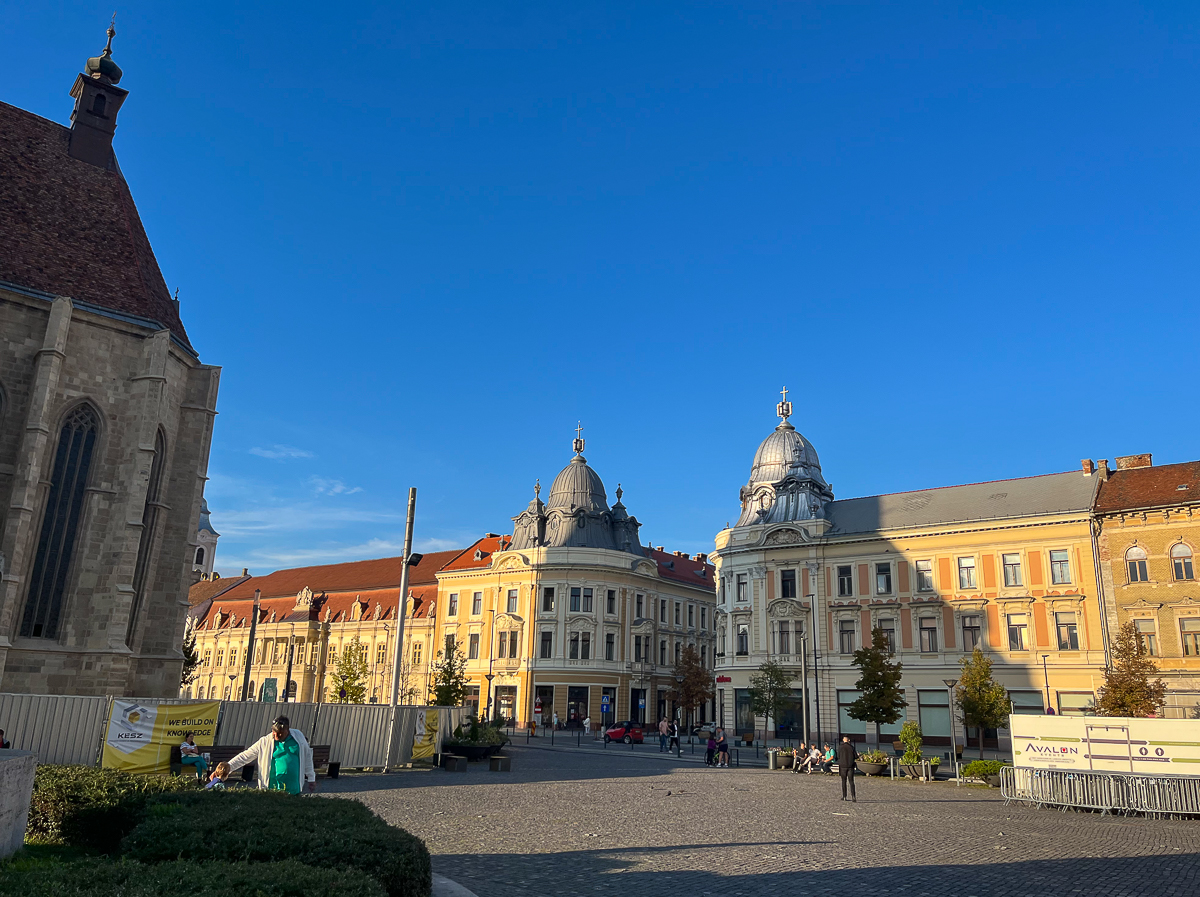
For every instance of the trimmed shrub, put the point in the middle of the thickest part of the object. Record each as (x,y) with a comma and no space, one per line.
(977,769)
(101,878)
(260,827)
(91,808)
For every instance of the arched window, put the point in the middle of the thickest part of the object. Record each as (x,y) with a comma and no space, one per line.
(141,567)
(200,693)
(99,104)
(200,556)
(1135,562)
(1181,560)
(60,525)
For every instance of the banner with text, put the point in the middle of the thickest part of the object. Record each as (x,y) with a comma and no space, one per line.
(1155,747)
(140,735)
(425,738)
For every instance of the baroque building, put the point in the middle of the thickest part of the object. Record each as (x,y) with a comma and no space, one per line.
(571,614)
(1148,528)
(106,415)
(804,579)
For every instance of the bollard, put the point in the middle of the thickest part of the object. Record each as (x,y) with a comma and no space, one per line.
(630,742)
(737,760)
(579,738)
(552,735)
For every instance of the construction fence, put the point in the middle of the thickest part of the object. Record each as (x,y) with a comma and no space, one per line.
(70,729)
(1106,792)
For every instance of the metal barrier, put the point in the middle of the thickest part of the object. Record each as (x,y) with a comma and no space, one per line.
(1107,792)
(357,734)
(58,728)
(244,722)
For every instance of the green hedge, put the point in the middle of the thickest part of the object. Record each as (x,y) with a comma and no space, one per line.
(977,769)
(260,827)
(92,808)
(100,878)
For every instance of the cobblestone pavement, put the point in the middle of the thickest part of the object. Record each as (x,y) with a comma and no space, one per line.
(582,822)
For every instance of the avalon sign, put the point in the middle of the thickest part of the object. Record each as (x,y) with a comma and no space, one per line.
(1158,747)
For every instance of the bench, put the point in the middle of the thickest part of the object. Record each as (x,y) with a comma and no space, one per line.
(223,753)
(176,761)
(321,761)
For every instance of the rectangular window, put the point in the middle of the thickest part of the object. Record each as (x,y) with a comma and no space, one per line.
(611,601)
(966,573)
(845,581)
(233,655)
(924,576)
(473,646)
(1149,633)
(450,645)
(587,601)
(573,649)
(513,598)
(883,579)
(220,657)
(846,634)
(477,604)
(452,605)
(691,615)
(1138,571)
(207,658)
(576,599)
(888,626)
(503,652)
(971,632)
(585,646)
(742,595)
(743,639)
(637,649)
(703,656)
(275,652)
(721,591)
(783,637)
(1060,567)
(787,584)
(1068,632)
(512,644)
(380,653)
(1076,703)
(703,617)
(547,646)
(548,600)
(678,650)
(417,654)
(1018,632)
(639,607)
(333,652)
(678,614)
(662,611)
(1190,631)
(929,639)
(662,653)
(1012,570)
(610,646)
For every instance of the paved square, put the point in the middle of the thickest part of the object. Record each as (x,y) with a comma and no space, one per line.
(615,822)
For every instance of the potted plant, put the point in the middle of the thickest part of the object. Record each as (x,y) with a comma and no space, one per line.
(476,742)
(872,763)
(985,770)
(910,761)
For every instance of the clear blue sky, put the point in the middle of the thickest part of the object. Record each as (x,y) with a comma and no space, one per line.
(423,243)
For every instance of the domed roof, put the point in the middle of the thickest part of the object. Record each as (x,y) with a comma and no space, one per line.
(577,486)
(782,452)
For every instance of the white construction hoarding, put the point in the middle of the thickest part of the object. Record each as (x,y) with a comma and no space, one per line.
(1155,747)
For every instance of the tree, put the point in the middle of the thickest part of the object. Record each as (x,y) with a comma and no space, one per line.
(449,683)
(693,683)
(982,700)
(350,674)
(770,691)
(882,701)
(191,655)
(1128,689)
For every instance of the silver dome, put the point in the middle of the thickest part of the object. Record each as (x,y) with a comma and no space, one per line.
(577,486)
(785,480)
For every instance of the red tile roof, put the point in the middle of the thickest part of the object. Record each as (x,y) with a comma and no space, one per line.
(71,228)
(485,547)
(211,588)
(1150,487)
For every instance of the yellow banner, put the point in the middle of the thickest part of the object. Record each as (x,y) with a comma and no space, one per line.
(425,739)
(140,736)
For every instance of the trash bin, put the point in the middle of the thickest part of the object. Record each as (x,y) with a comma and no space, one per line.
(772,760)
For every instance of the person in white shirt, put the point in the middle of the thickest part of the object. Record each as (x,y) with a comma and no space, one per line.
(283,760)
(587,725)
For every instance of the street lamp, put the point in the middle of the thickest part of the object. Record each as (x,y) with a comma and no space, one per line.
(1046,677)
(950,683)
(232,676)
(678,711)
(487,708)
(812,606)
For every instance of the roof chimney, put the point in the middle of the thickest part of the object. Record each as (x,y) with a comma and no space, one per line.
(1133,462)
(1102,464)
(1089,468)
(97,101)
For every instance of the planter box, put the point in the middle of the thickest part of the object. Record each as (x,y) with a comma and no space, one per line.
(870,769)
(473,752)
(993,781)
(452,763)
(498,763)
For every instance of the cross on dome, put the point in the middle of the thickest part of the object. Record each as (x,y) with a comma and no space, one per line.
(578,443)
(784,408)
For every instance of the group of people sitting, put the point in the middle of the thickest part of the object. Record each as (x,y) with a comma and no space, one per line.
(811,758)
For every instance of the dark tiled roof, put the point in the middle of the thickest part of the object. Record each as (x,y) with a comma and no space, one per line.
(682,568)
(211,588)
(70,228)
(1150,487)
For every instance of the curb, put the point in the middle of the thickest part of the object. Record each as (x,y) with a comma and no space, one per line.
(444,887)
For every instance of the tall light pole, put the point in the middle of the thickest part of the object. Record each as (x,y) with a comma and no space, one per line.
(409,559)
(816,654)
(487,707)
(1046,677)
(250,646)
(950,683)
(287,679)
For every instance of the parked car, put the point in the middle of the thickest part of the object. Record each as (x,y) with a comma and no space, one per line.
(627,732)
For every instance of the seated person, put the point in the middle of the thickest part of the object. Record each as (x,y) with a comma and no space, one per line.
(798,755)
(814,759)
(189,755)
(828,758)
(219,777)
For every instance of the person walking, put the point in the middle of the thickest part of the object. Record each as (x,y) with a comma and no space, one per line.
(710,751)
(673,744)
(722,750)
(846,755)
(664,732)
(282,758)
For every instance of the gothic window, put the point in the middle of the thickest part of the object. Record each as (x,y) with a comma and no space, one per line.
(1135,563)
(141,568)
(60,525)
(1181,561)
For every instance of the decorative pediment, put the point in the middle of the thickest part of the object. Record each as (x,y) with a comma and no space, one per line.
(304,599)
(1063,600)
(645,568)
(509,620)
(931,601)
(512,562)
(643,625)
(785,608)
(1141,604)
(580,620)
(786,536)
(1187,602)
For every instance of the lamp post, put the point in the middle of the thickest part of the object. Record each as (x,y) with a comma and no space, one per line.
(487,708)
(287,679)
(250,646)
(950,683)
(232,676)
(678,711)
(812,606)
(1046,678)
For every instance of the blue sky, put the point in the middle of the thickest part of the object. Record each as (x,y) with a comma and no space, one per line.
(422,243)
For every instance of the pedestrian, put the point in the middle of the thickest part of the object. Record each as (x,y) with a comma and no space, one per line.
(673,744)
(587,725)
(846,755)
(722,750)
(710,751)
(189,755)
(283,759)
(556,726)
(4,743)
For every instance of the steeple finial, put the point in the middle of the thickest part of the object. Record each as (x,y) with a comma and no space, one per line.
(102,68)
(537,488)
(784,408)
(578,443)
(620,492)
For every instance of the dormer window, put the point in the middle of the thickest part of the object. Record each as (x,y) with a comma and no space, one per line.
(479,554)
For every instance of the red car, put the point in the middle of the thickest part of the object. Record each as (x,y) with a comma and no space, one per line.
(627,731)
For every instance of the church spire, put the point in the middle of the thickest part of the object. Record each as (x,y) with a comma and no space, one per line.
(97,101)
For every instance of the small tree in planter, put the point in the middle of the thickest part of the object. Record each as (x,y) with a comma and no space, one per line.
(983,700)
(882,701)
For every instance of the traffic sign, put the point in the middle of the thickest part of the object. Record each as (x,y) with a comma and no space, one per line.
(604,702)
(641,702)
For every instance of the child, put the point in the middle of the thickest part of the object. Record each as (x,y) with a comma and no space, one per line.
(711,750)
(220,774)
